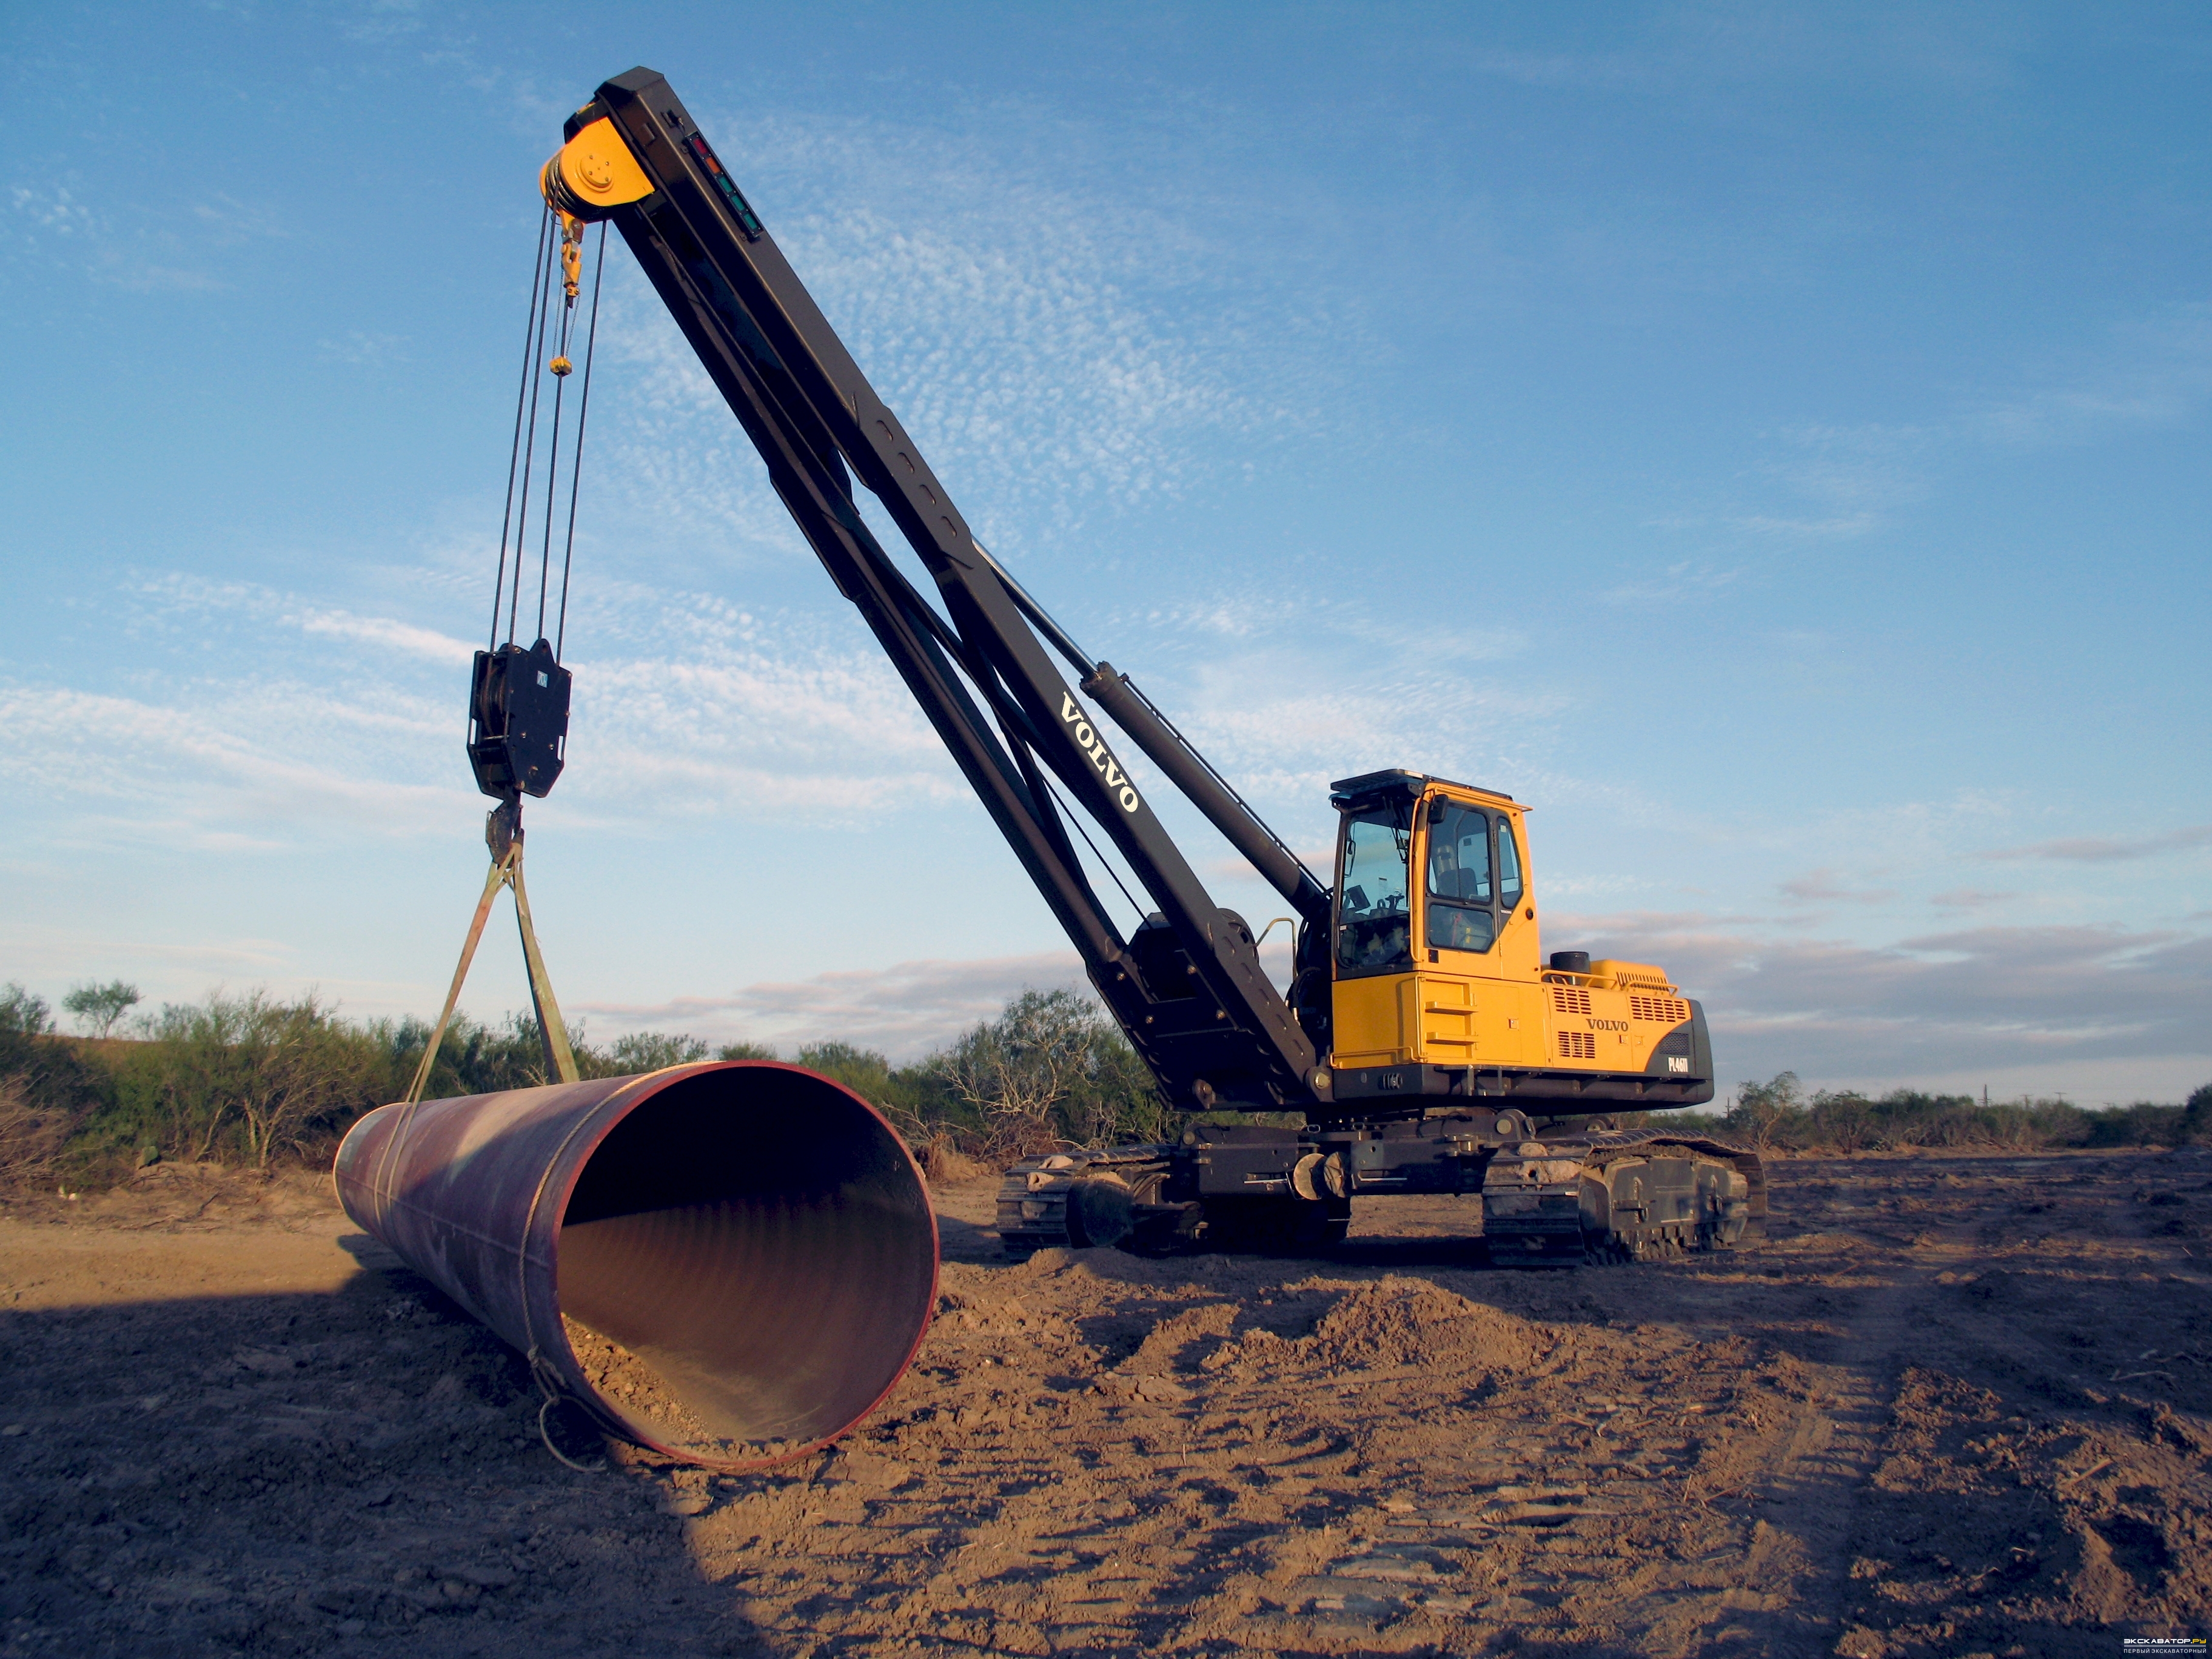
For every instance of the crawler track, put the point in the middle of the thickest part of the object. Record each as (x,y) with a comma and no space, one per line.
(1594,1196)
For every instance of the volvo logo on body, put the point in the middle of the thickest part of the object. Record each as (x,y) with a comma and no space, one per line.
(1087,739)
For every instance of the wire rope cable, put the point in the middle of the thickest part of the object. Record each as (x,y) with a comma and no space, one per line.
(559,367)
(576,466)
(514,447)
(530,440)
(1067,811)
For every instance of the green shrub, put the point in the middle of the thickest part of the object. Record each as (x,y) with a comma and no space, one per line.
(22,1016)
(477,1059)
(650,1051)
(243,1077)
(49,1088)
(2143,1124)
(1770,1114)
(1051,1070)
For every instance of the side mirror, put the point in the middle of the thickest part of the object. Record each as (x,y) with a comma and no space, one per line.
(1436,809)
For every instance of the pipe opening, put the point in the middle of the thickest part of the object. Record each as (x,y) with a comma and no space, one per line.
(745,1264)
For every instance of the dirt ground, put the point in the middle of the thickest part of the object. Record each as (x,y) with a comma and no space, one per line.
(1959,1405)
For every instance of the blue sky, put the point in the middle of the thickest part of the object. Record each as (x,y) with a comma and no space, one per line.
(1771,441)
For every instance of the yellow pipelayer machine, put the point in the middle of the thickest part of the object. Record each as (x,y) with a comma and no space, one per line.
(1422,1024)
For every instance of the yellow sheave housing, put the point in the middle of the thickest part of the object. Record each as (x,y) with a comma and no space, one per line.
(594,173)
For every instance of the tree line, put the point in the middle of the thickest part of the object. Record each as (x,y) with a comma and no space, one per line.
(248,1078)
(1779,1115)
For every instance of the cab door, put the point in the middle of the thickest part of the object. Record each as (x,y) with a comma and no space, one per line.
(1471,928)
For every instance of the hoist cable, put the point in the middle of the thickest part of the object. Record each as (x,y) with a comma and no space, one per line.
(553,448)
(515,447)
(1068,811)
(529,449)
(576,468)
(552,472)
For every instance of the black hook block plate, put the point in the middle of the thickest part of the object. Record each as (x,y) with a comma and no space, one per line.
(518,720)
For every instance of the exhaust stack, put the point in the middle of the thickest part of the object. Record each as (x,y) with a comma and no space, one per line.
(755,1235)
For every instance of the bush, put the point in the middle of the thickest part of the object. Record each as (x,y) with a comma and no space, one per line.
(1052,1070)
(475,1059)
(245,1077)
(48,1089)
(31,1137)
(1770,1114)
(22,1016)
(2143,1124)
(649,1051)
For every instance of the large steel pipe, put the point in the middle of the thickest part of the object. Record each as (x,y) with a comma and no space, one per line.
(754,1239)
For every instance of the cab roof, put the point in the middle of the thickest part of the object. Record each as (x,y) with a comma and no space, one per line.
(1399,782)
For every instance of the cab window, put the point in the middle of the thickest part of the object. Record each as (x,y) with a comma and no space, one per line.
(1459,885)
(1373,916)
(1509,866)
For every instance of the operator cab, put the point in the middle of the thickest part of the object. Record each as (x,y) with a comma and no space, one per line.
(1465,844)
(1434,946)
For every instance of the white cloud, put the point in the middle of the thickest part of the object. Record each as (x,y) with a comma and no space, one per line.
(1834,482)
(905,1010)
(1561,70)
(2082,1002)
(56,211)
(1058,344)
(2152,371)
(689,705)
(226,219)
(1281,733)
(120,269)
(357,349)
(1690,52)
(229,768)
(1684,579)
(423,643)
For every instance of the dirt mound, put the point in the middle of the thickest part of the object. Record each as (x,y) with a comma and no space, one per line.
(1410,1322)
(1388,1324)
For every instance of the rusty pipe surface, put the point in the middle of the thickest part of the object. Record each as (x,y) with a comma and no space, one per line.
(754,1233)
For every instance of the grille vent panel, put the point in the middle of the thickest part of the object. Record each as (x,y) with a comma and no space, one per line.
(1577,1045)
(1570,999)
(1673,1011)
